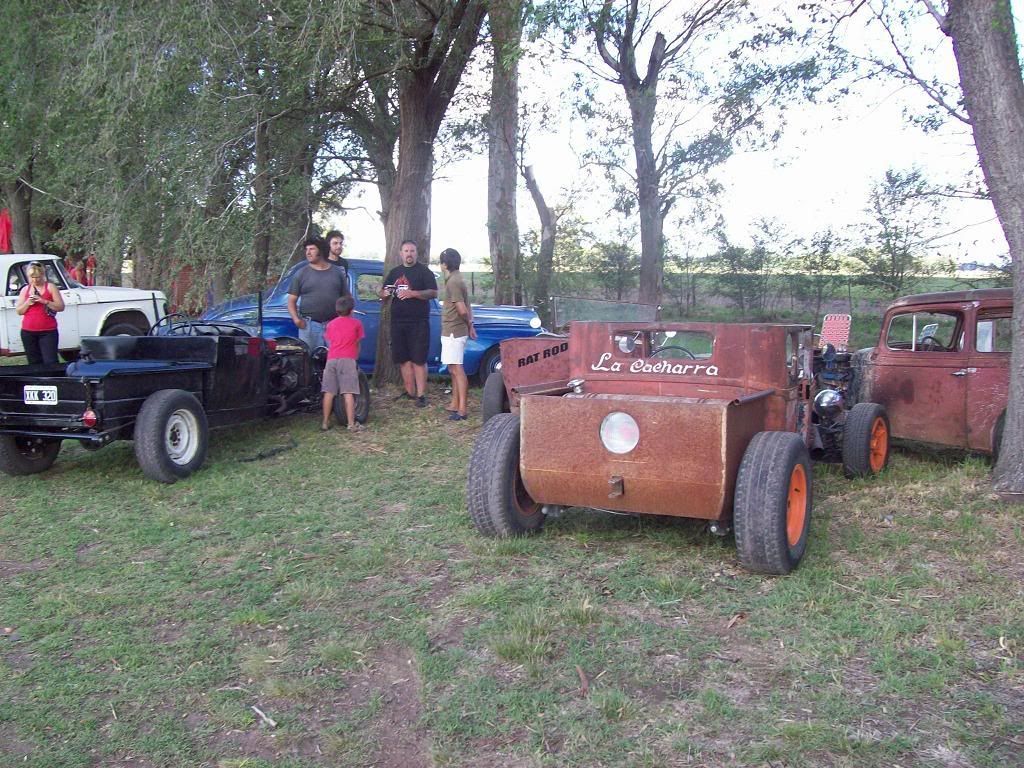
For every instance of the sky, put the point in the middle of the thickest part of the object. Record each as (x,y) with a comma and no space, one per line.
(819,175)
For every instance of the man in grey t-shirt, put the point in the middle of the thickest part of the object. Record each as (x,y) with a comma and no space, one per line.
(313,293)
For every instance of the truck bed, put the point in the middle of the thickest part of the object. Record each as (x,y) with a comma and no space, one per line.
(50,400)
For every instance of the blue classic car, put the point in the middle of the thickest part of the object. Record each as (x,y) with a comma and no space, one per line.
(365,277)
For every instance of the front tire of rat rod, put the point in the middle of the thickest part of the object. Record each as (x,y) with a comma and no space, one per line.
(865,440)
(498,502)
(362,403)
(772,505)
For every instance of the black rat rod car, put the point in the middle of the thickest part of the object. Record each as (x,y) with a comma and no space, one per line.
(165,391)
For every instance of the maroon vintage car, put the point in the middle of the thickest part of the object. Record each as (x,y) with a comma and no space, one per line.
(714,421)
(941,367)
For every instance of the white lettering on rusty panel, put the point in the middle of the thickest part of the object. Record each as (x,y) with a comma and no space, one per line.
(605,363)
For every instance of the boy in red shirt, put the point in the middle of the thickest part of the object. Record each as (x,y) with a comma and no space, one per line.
(341,376)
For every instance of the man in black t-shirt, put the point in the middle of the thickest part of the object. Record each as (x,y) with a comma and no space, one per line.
(409,287)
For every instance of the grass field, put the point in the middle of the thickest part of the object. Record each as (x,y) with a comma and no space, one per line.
(321,599)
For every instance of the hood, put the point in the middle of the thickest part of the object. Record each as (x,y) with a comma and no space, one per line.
(505,315)
(118,293)
(246,303)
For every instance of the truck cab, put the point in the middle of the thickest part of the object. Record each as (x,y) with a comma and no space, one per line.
(89,310)
(941,367)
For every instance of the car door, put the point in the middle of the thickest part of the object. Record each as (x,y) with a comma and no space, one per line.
(76,301)
(921,375)
(10,322)
(367,295)
(988,375)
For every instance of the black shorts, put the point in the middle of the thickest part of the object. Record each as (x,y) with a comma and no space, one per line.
(410,342)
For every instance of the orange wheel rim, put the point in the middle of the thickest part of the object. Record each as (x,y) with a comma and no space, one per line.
(524,503)
(878,451)
(796,505)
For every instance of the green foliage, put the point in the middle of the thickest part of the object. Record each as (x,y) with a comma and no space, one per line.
(904,217)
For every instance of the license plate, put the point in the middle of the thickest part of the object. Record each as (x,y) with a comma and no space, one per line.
(36,395)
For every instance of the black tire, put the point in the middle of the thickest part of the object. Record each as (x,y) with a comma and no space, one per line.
(498,503)
(495,397)
(362,403)
(865,440)
(772,504)
(27,455)
(489,363)
(124,329)
(171,435)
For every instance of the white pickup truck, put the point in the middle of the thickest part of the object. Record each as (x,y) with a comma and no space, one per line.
(95,310)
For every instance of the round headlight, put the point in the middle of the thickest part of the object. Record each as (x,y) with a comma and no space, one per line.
(535,322)
(828,403)
(619,432)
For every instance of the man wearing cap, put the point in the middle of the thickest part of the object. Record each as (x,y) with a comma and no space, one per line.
(314,291)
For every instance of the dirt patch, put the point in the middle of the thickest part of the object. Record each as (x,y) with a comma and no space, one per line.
(392,680)
(13,747)
(11,568)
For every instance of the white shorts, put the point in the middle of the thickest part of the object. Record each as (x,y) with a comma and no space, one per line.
(453,349)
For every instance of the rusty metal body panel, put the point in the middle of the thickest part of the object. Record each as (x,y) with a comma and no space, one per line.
(684,465)
(951,394)
(698,393)
(534,360)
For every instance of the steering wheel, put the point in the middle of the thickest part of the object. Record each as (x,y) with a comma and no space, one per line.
(930,344)
(177,325)
(684,350)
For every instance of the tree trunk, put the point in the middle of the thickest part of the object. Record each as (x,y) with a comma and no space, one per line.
(502,142)
(641,107)
(424,94)
(218,274)
(261,201)
(408,214)
(19,204)
(546,257)
(985,47)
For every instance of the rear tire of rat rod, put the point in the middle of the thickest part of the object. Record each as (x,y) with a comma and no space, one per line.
(495,398)
(171,435)
(865,440)
(499,504)
(27,455)
(772,504)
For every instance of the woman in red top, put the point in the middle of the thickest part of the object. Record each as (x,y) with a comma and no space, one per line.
(38,304)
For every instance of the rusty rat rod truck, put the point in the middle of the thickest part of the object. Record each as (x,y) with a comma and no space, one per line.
(714,421)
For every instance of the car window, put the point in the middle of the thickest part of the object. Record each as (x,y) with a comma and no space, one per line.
(16,276)
(368,287)
(669,345)
(15,280)
(925,332)
(683,345)
(993,334)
